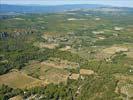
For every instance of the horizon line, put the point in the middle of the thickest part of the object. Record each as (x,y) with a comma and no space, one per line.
(63,5)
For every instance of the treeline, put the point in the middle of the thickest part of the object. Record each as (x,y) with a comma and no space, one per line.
(7,92)
(52,92)
(49,92)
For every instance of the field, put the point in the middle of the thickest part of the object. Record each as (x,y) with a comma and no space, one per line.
(16,98)
(13,79)
(48,72)
(43,45)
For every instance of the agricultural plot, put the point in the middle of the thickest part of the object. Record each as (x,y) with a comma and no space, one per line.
(16,98)
(74,76)
(115,49)
(13,79)
(47,71)
(61,64)
(86,72)
(45,45)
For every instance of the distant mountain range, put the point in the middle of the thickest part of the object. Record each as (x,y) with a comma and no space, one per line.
(5,8)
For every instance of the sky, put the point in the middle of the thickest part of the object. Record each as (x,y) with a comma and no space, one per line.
(119,3)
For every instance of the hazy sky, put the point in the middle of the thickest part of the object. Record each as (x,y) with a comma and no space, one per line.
(122,3)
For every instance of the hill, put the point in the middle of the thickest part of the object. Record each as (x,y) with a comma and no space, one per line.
(46,9)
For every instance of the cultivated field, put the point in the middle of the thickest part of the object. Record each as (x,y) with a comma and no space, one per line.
(48,72)
(14,80)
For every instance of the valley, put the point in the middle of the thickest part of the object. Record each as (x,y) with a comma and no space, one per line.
(84,54)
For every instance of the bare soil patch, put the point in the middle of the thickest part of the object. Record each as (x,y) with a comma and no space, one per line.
(18,97)
(86,72)
(17,79)
(44,45)
(115,49)
(74,76)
